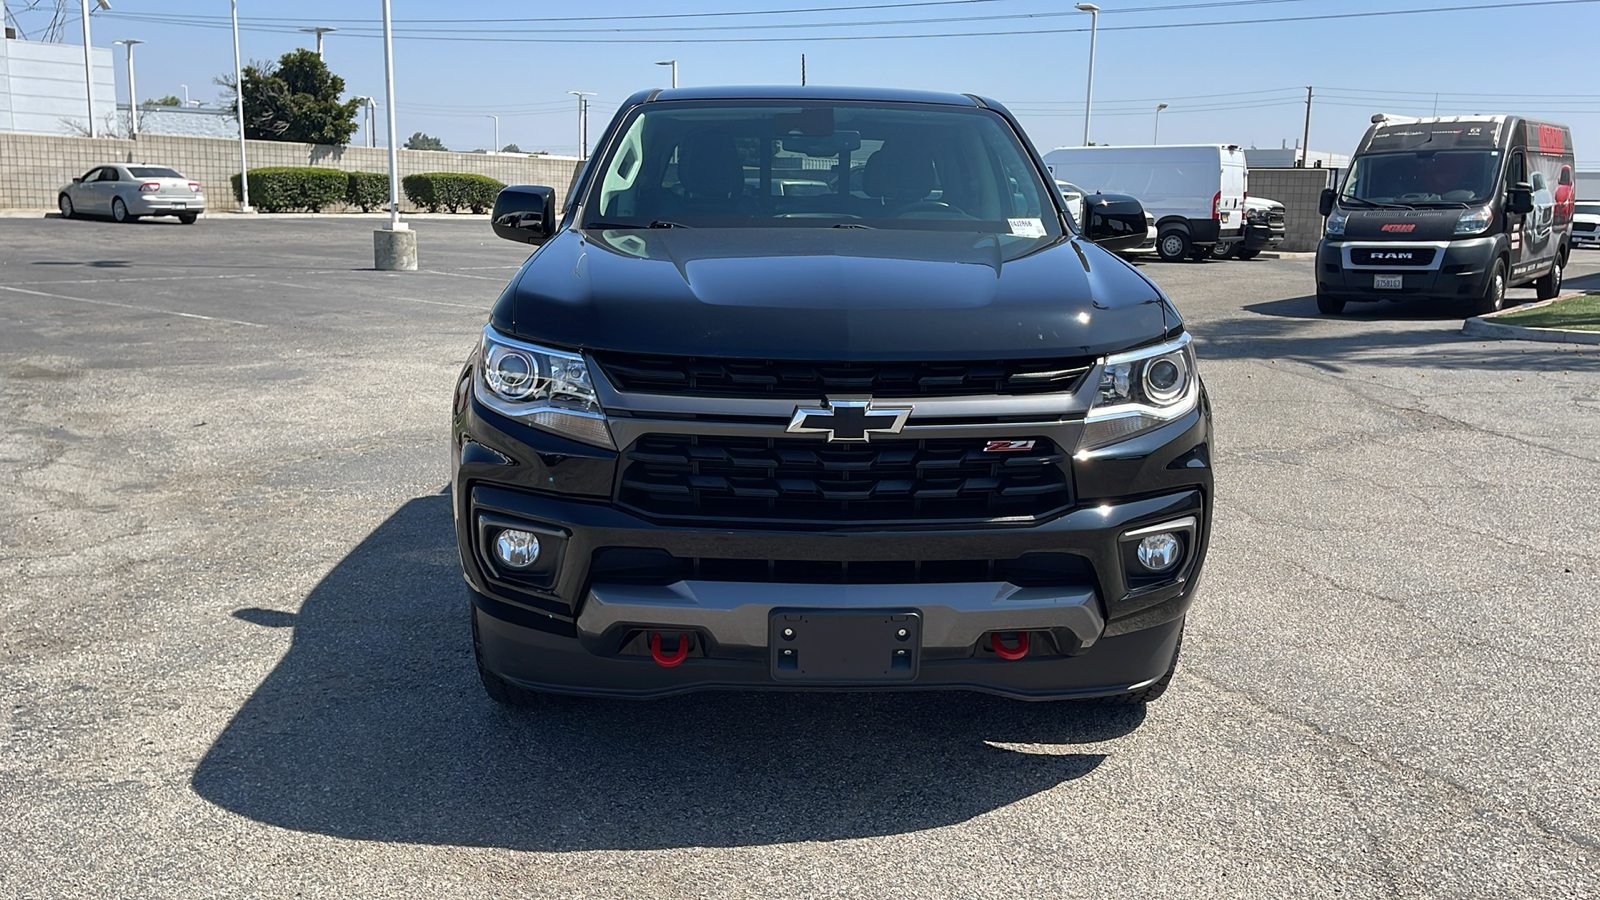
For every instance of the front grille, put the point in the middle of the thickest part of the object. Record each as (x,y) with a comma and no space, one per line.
(1397,257)
(814,380)
(801,480)
(1584,226)
(640,565)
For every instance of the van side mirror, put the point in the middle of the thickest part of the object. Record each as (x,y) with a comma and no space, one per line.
(1114,221)
(525,214)
(1325,202)
(1520,198)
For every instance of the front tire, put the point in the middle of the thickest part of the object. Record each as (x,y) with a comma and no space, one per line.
(119,211)
(65,203)
(1493,298)
(1246,254)
(1222,251)
(1173,245)
(1549,287)
(1329,306)
(499,690)
(1150,692)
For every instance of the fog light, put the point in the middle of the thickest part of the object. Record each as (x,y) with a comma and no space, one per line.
(1159,552)
(519,549)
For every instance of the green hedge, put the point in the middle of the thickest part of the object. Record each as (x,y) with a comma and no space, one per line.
(280,188)
(368,190)
(451,190)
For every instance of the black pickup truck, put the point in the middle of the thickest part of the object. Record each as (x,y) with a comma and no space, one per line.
(820,388)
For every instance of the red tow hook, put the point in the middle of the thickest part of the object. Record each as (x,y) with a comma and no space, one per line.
(682,652)
(1005,652)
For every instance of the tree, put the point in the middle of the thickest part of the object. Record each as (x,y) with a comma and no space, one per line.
(511,148)
(168,100)
(420,141)
(295,99)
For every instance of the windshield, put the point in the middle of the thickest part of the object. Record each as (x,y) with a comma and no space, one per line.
(819,165)
(1588,209)
(1448,177)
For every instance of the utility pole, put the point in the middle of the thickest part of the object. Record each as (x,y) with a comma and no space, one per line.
(88,67)
(583,122)
(319,31)
(1305,141)
(133,92)
(802,70)
(238,105)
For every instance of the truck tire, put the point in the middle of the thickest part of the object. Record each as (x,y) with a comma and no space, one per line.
(1223,251)
(1246,254)
(1549,287)
(499,690)
(1329,306)
(1173,245)
(1150,692)
(1493,298)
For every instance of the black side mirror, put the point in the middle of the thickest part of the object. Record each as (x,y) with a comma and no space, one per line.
(1520,198)
(1325,202)
(525,214)
(1114,221)
(78,180)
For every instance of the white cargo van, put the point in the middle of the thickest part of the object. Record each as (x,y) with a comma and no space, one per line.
(1195,191)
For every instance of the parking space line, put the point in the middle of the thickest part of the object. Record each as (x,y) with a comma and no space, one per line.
(460,275)
(153,309)
(479,308)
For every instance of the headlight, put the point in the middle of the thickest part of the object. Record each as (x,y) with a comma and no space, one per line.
(544,388)
(1253,214)
(1334,226)
(1140,390)
(1475,221)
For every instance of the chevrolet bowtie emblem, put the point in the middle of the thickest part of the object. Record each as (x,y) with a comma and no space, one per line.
(849,420)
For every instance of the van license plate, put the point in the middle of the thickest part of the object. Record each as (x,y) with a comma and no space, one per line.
(1388,282)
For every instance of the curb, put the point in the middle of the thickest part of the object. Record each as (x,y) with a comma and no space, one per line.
(1486,327)
(1288,254)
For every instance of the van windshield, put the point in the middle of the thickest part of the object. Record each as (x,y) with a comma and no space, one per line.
(795,164)
(1445,177)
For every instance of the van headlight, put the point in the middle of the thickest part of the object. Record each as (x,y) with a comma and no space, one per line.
(1475,221)
(542,387)
(1334,225)
(1140,390)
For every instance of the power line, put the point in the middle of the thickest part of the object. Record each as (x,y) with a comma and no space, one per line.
(433,36)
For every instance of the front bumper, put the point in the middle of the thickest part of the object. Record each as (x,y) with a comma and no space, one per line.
(572,624)
(1262,237)
(1585,238)
(1460,269)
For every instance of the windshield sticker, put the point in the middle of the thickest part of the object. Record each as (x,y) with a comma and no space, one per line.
(1030,228)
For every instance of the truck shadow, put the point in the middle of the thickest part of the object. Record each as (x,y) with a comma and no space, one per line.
(374,727)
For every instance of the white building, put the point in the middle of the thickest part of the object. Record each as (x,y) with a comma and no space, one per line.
(1289,157)
(42,89)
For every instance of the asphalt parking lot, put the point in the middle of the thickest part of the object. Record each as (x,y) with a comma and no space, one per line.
(235,658)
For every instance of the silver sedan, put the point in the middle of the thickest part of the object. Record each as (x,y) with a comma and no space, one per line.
(127,191)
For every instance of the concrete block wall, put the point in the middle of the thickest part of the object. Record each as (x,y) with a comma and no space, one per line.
(1300,192)
(33,167)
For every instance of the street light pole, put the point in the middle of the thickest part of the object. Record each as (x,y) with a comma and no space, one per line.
(319,31)
(133,92)
(1156,138)
(238,105)
(496,147)
(674,64)
(394,147)
(1094,29)
(88,65)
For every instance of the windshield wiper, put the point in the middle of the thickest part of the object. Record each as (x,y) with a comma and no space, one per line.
(1369,204)
(1442,204)
(659,223)
(851,225)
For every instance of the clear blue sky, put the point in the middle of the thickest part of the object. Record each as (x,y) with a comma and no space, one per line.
(457,62)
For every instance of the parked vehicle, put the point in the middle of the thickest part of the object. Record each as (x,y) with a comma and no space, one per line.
(912,433)
(1263,230)
(1586,224)
(1453,208)
(1195,191)
(127,192)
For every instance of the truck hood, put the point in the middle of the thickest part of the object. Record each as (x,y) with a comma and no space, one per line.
(830,294)
(1402,224)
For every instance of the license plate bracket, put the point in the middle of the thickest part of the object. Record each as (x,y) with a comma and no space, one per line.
(824,646)
(1388,282)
